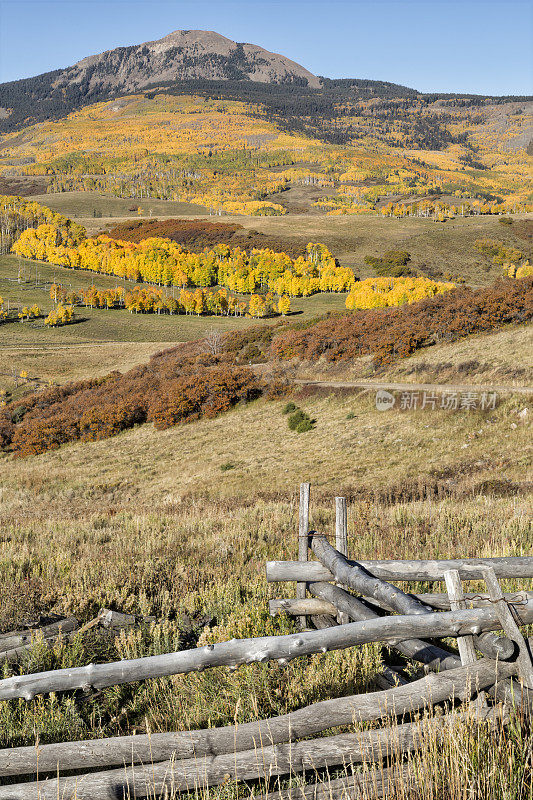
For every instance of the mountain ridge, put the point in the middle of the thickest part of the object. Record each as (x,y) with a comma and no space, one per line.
(197,62)
(182,55)
(186,55)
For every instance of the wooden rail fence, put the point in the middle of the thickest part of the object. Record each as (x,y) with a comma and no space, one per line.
(339,603)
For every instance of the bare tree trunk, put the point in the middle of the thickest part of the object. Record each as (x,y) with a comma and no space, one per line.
(357,578)
(439,600)
(298,607)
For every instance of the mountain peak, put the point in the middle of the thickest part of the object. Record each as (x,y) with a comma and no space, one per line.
(183,55)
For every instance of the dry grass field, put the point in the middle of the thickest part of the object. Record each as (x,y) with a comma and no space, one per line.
(51,363)
(87,204)
(250,452)
(503,358)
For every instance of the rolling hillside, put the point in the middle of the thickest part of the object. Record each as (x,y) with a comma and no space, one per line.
(231,157)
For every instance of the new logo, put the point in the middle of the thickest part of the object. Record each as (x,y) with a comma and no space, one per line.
(384,400)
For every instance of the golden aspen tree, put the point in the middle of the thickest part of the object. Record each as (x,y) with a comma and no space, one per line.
(284,305)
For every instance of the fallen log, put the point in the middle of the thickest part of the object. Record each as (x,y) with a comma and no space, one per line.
(17,654)
(17,639)
(474,599)
(459,684)
(389,678)
(322,621)
(507,567)
(438,601)
(434,657)
(296,608)
(114,620)
(261,762)
(67,629)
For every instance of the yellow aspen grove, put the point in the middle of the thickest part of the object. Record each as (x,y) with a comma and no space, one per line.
(257,306)
(284,305)
(61,315)
(163,262)
(383,292)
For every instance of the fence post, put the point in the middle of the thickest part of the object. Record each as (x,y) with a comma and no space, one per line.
(465,644)
(510,627)
(341,540)
(303,540)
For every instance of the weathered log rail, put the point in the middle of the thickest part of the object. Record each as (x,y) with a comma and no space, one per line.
(262,762)
(234,653)
(461,684)
(436,601)
(351,603)
(403,571)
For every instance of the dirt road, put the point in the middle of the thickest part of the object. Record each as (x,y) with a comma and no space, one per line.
(422,387)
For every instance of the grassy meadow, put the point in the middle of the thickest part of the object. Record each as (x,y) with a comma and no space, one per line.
(436,248)
(93,205)
(101,340)
(504,357)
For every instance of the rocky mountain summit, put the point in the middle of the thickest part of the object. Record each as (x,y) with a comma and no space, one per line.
(183,55)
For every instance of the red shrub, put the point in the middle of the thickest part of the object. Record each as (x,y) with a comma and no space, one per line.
(392,333)
(172,388)
(207,394)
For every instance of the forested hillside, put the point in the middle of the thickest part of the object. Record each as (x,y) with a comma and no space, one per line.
(197,118)
(397,157)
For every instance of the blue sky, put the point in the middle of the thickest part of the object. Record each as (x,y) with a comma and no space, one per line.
(478,46)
